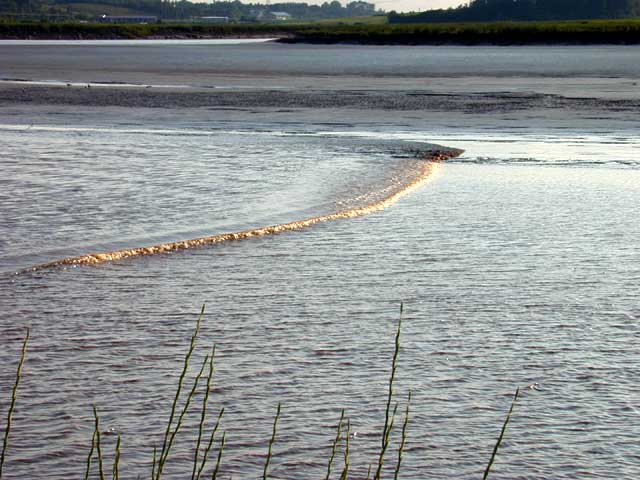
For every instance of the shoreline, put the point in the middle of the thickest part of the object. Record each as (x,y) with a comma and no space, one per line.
(107,94)
(333,39)
(151,38)
(337,40)
(576,32)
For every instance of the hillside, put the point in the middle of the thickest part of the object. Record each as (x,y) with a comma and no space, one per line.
(96,9)
(235,11)
(525,10)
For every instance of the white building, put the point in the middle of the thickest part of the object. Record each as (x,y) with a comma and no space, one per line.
(280,16)
(211,19)
(128,19)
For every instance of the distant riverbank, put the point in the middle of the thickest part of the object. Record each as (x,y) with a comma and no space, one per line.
(497,33)
(101,31)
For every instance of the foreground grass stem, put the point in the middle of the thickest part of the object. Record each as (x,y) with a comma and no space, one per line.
(389,417)
(217,467)
(504,429)
(271,442)
(335,445)
(14,395)
(345,470)
(93,445)
(98,446)
(205,456)
(403,441)
(116,461)
(203,414)
(167,434)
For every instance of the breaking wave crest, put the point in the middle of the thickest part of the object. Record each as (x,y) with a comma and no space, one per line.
(427,168)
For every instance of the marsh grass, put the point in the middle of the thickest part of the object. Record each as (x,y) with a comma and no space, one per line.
(345,469)
(334,447)
(501,436)
(96,437)
(622,31)
(14,395)
(403,438)
(90,456)
(201,456)
(271,442)
(116,461)
(580,32)
(203,416)
(389,419)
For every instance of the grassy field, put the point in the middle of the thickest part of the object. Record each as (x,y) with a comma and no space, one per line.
(91,9)
(364,30)
(371,20)
(77,30)
(500,33)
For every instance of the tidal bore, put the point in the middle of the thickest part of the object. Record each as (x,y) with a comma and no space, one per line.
(429,167)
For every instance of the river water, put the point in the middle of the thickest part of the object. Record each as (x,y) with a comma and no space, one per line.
(517,262)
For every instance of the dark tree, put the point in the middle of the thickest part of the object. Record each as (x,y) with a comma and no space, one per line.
(495,10)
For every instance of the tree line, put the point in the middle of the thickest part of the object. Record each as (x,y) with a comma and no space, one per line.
(523,10)
(169,9)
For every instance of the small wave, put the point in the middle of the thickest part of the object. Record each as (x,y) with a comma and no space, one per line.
(432,159)
(575,163)
(62,83)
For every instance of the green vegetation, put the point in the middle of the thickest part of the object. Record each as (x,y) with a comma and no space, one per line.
(501,10)
(368,20)
(14,393)
(177,416)
(497,33)
(182,10)
(75,30)
(87,10)
(501,436)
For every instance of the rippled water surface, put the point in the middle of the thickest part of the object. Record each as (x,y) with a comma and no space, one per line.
(518,265)
(95,61)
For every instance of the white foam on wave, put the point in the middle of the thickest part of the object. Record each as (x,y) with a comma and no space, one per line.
(428,167)
(620,149)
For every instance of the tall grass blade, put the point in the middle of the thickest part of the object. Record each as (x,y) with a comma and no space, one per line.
(383,452)
(93,444)
(98,447)
(273,439)
(345,470)
(504,429)
(205,456)
(219,461)
(335,445)
(14,396)
(403,441)
(116,462)
(369,472)
(155,460)
(185,367)
(185,408)
(394,366)
(388,420)
(203,413)
(391,424)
